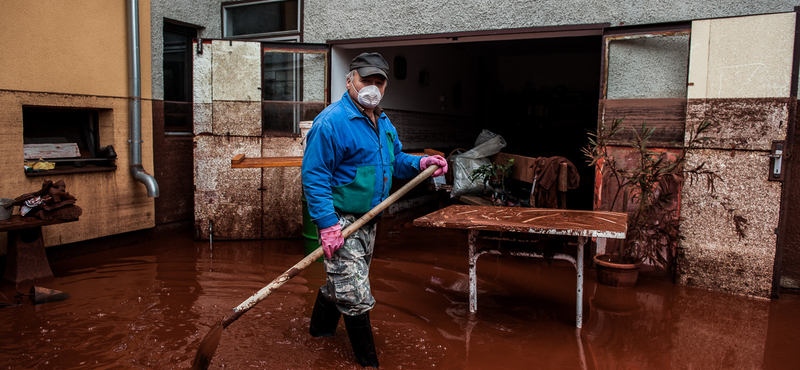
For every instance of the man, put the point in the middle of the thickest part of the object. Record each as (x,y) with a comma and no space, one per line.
(351,155)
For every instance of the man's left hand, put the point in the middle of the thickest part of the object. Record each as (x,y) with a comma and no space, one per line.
(438,160)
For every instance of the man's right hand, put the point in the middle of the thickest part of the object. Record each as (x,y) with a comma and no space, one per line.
(331,239)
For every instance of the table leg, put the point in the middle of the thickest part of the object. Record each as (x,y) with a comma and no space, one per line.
(473,276)
(579,267)
(26,259)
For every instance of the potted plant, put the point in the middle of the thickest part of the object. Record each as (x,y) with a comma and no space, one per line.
(494,174)
(649,183)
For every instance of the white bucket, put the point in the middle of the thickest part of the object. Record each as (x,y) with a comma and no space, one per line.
(5,214)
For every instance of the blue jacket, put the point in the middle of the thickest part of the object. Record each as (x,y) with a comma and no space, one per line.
(347,165)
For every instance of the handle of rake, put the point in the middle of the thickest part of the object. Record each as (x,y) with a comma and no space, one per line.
(210,342)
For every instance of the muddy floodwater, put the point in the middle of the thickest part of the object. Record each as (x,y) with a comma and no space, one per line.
(149,305)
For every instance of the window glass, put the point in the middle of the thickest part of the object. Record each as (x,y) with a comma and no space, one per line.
(178,77)
(281,71)
(261,18)
(294,87)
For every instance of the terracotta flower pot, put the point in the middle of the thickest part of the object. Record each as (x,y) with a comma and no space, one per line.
(618,275)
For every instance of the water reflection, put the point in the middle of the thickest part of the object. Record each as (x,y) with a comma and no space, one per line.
(150,305)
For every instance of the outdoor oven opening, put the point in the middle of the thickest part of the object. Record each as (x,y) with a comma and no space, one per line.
(65,140)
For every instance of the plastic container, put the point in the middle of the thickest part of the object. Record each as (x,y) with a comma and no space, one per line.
(310,237)
(5,214)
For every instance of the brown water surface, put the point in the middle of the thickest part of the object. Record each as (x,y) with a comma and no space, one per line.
(148,306)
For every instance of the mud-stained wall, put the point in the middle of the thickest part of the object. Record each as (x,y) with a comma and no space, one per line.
(239,203)
(112,202)
(282,190)
(739,76)
(173,166)
(790,272)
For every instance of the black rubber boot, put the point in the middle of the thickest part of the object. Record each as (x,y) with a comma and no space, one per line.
(360,332)
(324,318)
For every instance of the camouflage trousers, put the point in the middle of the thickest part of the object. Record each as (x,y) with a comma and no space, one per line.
(348,270)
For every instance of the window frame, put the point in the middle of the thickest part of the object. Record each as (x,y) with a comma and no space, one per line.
(266,36)
(298,49)
(91,159)
(191,33)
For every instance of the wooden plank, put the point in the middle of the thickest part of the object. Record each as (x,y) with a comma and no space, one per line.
(267,162)
(53,150)
(241,161)
(667,116)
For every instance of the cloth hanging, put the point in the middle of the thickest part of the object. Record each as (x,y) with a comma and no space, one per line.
(545,172)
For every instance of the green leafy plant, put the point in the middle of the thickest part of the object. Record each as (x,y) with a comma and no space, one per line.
(651,184)
(493,171)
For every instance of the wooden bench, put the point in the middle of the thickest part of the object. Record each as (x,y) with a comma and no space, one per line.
(26,259)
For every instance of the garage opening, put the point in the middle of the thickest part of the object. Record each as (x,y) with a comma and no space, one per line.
(541,94)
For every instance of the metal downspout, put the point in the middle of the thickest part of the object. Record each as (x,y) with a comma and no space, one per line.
(135,115)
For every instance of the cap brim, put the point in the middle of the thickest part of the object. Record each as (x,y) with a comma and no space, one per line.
(369,71)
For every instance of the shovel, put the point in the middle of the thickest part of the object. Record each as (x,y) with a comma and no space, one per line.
(210,342)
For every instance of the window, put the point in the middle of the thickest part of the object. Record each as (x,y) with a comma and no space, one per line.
(294,85)
(178,77)
(68,137)
(274,19)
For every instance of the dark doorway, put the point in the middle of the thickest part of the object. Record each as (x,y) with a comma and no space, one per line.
(541,95)
(178,76)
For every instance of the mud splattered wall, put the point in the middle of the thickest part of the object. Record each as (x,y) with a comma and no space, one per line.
(739,76)
(240,203)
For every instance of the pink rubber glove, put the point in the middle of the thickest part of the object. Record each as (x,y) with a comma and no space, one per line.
(331,239)
(437,160)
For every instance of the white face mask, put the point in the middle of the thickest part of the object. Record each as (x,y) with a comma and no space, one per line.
(369,96)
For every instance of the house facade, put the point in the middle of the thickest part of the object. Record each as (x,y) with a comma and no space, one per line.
(65,78)
(229,78)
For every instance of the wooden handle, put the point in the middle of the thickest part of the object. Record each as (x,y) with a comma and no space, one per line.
(305,262)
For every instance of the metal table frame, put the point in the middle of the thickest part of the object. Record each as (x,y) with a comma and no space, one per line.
(550,222)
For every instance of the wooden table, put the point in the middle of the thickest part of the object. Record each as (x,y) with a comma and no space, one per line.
(26,259)
(486,222)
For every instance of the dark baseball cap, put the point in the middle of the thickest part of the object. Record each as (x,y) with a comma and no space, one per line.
(368,64)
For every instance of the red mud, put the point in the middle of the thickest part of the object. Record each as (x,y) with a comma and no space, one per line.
(148,306)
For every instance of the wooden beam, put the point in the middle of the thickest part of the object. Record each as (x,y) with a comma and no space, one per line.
(667,116)
(237,159)
(241,161)
(266,162)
